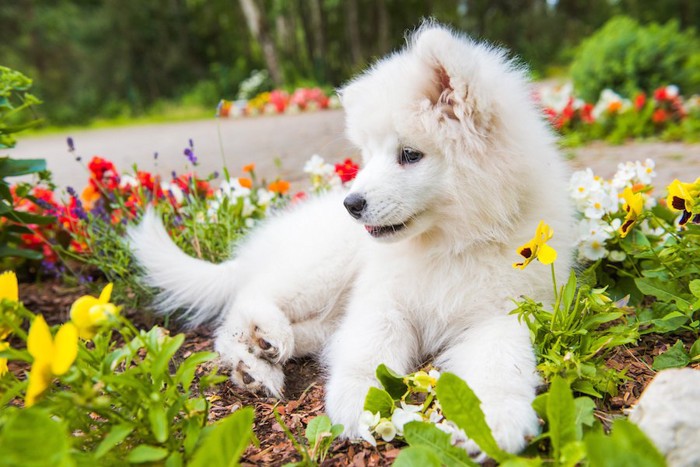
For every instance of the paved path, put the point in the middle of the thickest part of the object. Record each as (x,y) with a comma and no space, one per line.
(290,138)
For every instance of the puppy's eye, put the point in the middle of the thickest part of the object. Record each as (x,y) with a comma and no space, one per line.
(409,156)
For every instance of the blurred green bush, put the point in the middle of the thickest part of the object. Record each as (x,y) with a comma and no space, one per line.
(628,57)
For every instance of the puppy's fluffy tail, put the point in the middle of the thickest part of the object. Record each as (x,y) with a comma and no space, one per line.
(199,288)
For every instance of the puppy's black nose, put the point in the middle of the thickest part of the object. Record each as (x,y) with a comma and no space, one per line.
(355,204)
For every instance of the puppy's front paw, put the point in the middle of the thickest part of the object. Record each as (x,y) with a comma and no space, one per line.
(259,376)
(270,342)
(513,422)
(345,400)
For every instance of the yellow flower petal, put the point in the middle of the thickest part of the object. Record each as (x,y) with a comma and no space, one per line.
(66,349)
(39,379)
(39,341)
(8,286)
(80,310)
(547,254)
(3,361)
(106,293)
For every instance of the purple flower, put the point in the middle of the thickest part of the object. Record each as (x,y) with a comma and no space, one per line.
(191,143)
(173,174)
(71,191)
(155,155)
(71,144)
(190,156)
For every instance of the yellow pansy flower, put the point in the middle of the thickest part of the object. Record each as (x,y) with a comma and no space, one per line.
(685,197)
(3,361)
(537,247)
(9,291)
(52,356)
(8,286)
(88,312)
(634,205)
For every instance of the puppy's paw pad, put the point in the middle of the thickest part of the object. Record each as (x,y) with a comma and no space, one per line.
(260,377)
(269,345)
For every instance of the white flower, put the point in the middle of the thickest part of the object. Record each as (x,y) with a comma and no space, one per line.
(599,203)
(581,184)
(672,91)
(368,421)
(626,173)
(174,190)
(556,97)
(645,171)
(593,247)
(610,102)
(231,189)
(405,414)
(127,181)
(592,227)
(265,197)
(617,256)
(435,417)
(248,208)
(386,430)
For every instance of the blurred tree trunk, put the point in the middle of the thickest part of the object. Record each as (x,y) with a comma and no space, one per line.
(257,23)
(384,27)
(319,34)
(352,28)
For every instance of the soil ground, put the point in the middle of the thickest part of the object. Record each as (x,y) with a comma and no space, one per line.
(304,396)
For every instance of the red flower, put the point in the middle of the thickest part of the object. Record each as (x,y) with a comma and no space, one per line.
(587,113)
(659,116)
(347,170)
(660,94)
(639,101)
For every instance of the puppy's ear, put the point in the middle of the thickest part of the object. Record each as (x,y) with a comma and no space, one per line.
(454,88)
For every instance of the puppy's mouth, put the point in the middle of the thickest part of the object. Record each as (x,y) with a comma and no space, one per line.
(378,231)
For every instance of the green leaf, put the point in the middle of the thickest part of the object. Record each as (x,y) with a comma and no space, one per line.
(460,404)
(166,352)
(561,414)
(626,446)
(378,400)
(695,350)
(116,435)
(15,167)
(417,456)
(32,437)
(695,287)
(159,422)
(20,253)
(224,444)
(316,428)
(437,441)
(675,357)
(666,291)
(146,453)
(569,291)
(391,381)
(186,370)
(584,414)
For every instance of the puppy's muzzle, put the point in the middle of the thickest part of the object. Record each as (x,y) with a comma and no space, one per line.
(355,204)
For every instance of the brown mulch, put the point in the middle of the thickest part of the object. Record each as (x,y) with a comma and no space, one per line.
(305,386)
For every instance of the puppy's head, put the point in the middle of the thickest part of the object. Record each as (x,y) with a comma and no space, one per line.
(438,125)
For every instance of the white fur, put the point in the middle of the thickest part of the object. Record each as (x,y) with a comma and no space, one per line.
(313,280)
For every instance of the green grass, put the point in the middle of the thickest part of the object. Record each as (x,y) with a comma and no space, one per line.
(165,113)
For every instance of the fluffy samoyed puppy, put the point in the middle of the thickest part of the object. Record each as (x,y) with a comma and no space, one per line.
(416,260)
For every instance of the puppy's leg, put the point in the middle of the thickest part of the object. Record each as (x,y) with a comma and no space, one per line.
(496,359)
(372,333)
(256,339)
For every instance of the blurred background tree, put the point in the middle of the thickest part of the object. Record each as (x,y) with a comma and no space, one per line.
(112,58)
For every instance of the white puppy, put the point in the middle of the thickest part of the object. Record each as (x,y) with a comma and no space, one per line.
(459,168)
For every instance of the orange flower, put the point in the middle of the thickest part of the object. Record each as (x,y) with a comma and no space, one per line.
(279,187)
(249,168)
(659,116)
(614,106)
(245,182)
(89,196)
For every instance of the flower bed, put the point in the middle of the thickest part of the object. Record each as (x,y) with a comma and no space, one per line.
(665,113)
(279,101)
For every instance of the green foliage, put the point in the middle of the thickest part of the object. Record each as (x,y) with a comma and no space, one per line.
(571,435)
(127,396)
(319,435)
(15,98)
(573,339)
(627,58)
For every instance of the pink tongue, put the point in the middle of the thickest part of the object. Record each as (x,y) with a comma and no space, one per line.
(371,228)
